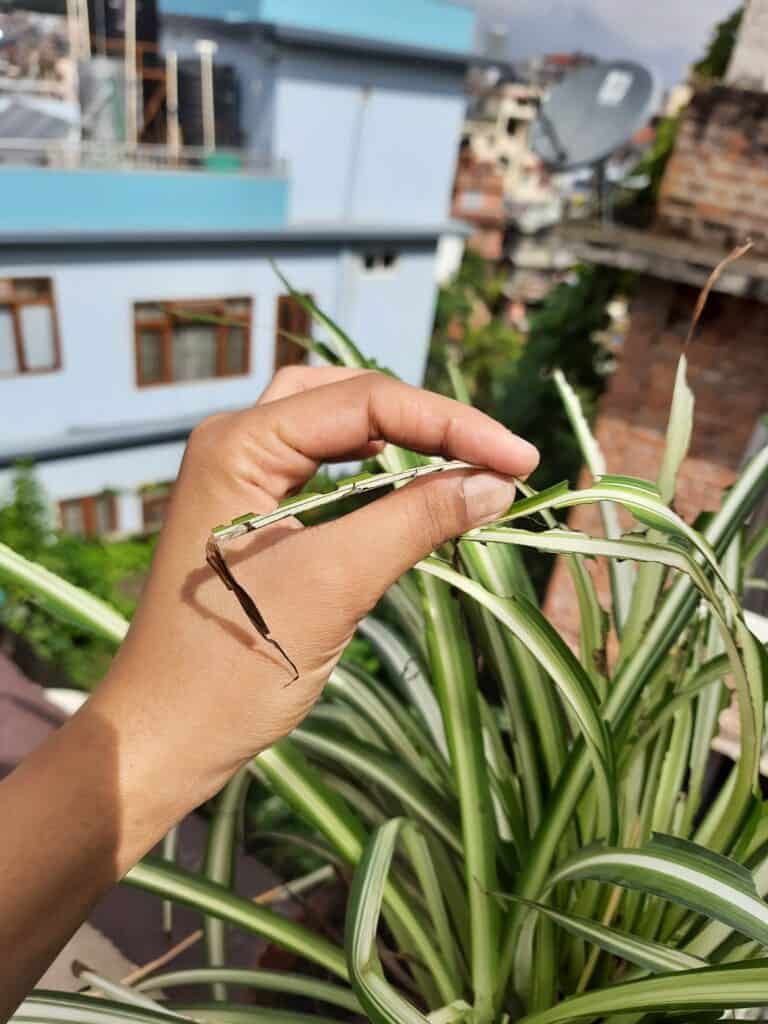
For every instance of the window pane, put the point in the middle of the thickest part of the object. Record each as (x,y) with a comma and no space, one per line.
(37,337)
(8,363)
(72,517)
(102,508)
(155,510)
(239,309)
(235,353)
(32,287)
(150,356)
(194,352)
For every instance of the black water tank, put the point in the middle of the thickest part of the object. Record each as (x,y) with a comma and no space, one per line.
(107,19)
(226,102)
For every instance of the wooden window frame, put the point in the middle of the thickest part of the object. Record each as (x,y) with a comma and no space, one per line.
(150,498)
(164,325)
(15,302)
(88,504)
(291,303)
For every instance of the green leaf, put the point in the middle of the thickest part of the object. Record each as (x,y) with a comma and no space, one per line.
(382,1003)
(43,1007)
(453,671)
(182,886)
(62,598)
(621,576)
(708,988)
(650,956)
(270,981)
(530,626)
(220,862)
(682,872)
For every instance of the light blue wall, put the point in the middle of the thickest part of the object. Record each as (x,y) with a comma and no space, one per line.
(84,200)
(96,388)
(366,141)
(435,24)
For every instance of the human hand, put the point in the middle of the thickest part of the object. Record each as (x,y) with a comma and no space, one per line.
(209,684)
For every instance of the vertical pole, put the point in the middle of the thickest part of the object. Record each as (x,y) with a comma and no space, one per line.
(172,105)
(131,131)
(85,29)
(206,48)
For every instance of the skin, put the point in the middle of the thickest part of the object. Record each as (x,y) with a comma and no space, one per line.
(194,691)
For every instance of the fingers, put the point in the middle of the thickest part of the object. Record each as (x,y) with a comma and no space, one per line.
(292,380)
(376,544)
(328,422)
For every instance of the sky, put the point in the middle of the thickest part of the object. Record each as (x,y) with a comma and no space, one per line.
(669,34)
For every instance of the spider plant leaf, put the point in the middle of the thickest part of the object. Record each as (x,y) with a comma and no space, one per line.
(299,783)
(173,882)
(422,800)
(707,988)
(64,1008)
(219,864)
(530,626)
(621,576)
(407,673)
(303,985)
(453,670)
(679,871)
(650,956)
(382,1003)
(61,598)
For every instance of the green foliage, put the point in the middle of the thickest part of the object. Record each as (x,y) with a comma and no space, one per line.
(111,570)
(544,850)
(714,63)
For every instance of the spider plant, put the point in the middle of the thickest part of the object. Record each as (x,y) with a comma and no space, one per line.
(528,827)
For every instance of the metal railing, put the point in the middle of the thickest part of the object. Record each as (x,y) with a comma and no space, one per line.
(69,154)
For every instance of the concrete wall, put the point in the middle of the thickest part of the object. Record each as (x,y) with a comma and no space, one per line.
(367,142)
(389,312)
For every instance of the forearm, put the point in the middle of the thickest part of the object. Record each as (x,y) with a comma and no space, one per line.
(78,813)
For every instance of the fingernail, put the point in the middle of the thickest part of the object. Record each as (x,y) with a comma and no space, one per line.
(487,496)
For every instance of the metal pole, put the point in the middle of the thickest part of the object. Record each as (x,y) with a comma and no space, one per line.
(131,133)
(172,104)
(206,48)
(85,29)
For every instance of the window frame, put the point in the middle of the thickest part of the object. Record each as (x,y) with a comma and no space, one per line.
(87,503)
(287,301)
(15,302)
(149,498)
(164,325)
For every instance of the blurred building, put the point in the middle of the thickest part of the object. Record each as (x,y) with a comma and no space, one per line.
(146,192)
(714,194)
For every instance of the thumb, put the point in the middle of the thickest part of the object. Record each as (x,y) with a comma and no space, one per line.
(379,542)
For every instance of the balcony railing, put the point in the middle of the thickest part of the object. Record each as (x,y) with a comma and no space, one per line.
(65,154)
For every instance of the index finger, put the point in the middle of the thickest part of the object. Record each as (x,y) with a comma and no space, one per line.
(328,421)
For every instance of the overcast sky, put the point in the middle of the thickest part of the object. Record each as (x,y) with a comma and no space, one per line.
(675,30)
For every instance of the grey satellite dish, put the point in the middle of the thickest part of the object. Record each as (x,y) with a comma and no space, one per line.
(591,112)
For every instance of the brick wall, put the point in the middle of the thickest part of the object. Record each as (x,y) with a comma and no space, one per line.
(715,185)
(727,372)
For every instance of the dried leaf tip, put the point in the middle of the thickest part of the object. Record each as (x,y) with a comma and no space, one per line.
(701,302)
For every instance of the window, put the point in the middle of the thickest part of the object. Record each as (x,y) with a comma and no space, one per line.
(385,259)
(91,516)
(154,506)
(191,340)
(512,123)
(29,340)
(292,319)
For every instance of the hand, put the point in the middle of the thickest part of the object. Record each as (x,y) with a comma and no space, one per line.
(195,691)
(218,687)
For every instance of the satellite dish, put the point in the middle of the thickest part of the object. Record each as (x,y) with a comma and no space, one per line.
(591,112)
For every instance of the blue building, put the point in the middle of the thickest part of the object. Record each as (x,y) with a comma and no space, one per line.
(136,295)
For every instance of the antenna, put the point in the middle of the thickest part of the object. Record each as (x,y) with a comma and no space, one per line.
(590,113)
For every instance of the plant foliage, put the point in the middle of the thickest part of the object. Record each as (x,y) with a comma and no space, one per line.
(544,849)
